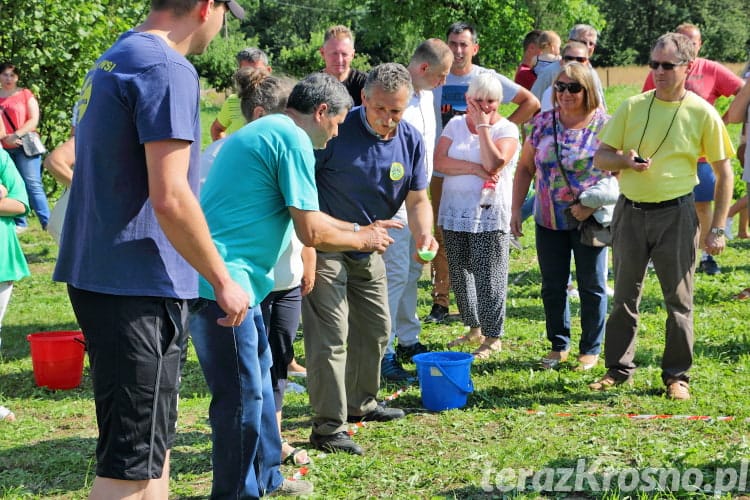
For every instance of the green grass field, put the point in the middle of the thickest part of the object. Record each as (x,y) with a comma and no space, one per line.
(522,431)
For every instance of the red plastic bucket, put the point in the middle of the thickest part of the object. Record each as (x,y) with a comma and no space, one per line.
(57,358)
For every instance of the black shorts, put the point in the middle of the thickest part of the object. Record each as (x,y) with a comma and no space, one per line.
(137,347)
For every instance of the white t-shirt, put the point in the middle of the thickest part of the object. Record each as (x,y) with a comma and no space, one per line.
(453,93)
(287,273)
(421,114)
(459,205)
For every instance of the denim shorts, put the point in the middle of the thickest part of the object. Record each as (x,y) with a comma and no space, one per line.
(704,191)
(137,347)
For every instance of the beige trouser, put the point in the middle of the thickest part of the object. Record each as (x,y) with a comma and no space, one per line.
(667,236)
(346,327)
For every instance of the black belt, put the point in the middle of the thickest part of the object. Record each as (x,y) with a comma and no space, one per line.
(645,205)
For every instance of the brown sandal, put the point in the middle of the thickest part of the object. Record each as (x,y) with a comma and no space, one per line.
(466,339)
(587,362)
(489,347)
(608,382)
(679,389)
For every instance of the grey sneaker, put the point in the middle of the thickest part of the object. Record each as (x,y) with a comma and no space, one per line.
(293,488)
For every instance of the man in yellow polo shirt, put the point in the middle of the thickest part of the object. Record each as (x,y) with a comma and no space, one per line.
(230,118)
(654,140)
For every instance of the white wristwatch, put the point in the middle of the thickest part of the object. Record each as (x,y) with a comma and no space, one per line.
(356,228)
(718,231)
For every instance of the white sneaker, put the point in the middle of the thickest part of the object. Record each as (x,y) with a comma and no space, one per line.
(6,414)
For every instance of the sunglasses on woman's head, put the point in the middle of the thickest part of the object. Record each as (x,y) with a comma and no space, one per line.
(572,87)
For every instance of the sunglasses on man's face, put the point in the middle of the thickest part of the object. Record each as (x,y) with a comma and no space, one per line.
(668,66)
(580,59)
(572,87)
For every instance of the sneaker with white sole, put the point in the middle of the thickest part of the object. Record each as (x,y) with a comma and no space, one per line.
(293,488)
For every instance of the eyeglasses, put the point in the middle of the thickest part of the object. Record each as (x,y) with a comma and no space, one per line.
(580,59)
(666,65)
(572,87)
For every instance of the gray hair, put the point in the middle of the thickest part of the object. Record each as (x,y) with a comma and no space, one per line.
(485,85)
(580,30)
(685,48)
(389,77)
(317,89)
(252,55)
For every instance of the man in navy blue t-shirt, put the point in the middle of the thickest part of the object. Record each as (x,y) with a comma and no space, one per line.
(374,165)
(135,235)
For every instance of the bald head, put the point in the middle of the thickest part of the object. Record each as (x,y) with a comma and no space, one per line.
(692,32)
(430,64)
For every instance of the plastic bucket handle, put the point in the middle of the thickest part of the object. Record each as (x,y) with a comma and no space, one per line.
(452,381)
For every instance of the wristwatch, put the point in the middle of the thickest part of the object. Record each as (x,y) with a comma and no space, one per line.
(356,227)
(718,231)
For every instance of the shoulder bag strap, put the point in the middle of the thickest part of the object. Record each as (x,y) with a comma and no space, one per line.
(9,120)
(557,153)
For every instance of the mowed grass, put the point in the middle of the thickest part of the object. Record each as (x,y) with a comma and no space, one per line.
(521,429)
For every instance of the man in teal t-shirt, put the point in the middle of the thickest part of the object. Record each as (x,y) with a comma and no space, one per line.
(263,182)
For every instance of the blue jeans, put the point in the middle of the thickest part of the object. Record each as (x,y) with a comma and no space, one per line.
(553,252)
(237,365)
(30,168)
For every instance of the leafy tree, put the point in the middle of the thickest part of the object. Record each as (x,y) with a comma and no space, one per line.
(391,30)
(282,24)
(55,43)
(634,25)
(219,63)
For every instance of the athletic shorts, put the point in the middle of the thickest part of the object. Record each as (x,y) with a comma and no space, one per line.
(704,191)
(137,347)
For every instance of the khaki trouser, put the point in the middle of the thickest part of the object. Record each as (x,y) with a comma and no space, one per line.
(346,324)
(669,237)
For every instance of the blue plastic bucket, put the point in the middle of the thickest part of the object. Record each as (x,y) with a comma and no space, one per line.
(445,379)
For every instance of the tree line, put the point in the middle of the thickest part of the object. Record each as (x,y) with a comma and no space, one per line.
(55,42)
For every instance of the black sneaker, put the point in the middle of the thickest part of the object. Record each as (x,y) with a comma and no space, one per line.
(709,266)
(437,314)
(334,443)
(392,371)
(379,414)
(406,352)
